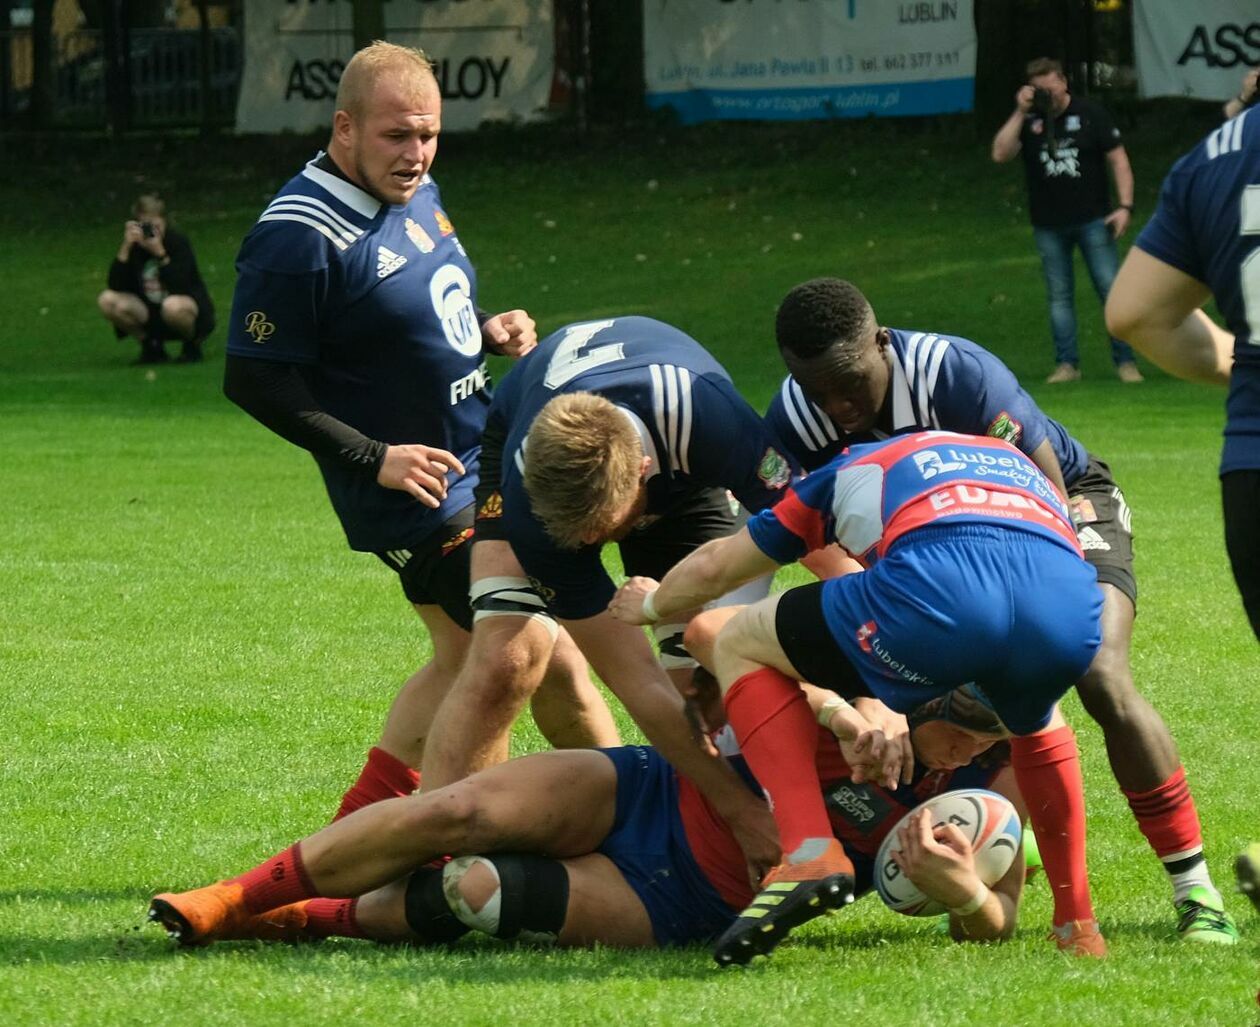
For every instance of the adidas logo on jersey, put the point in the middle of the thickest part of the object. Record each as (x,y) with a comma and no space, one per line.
(387,261)
(1090,539)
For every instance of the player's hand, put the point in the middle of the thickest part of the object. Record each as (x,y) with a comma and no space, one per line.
(420,470)
(938,860)
(1024,98)
(899,757)
(758,836)
(627,605)
(511,334)
(1250,86)
(1118,222)
(865,748)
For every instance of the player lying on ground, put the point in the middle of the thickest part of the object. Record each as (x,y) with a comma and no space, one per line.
(975,576)
(608,846)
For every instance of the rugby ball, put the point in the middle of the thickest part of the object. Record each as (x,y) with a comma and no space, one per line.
(986,819)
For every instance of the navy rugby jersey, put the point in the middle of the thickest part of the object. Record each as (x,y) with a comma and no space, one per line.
(695,427)
(378,305)
(1207,225)
(937,381)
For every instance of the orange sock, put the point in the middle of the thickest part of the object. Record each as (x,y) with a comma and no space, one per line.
(778,735)
(1048,770)
(382,777)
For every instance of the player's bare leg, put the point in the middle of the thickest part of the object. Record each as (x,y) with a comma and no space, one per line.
(1146,765)
(569,710)
(561,803)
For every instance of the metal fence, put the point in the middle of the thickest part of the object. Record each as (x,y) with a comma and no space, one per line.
(163,77)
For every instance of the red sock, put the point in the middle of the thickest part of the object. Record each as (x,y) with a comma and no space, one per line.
(1168,819)
(778,735)
(332,918)
(276,882)
(382,777)
(1048,771)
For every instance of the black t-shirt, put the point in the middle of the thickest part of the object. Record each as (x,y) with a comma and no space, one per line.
(1067,184)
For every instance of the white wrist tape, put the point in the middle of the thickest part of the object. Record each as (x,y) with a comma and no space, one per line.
(649,607)
(836,702)
(972,904)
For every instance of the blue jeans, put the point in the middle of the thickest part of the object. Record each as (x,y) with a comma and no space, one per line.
(1099,250)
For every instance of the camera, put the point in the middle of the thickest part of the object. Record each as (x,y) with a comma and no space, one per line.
(1043,103)
(147,229)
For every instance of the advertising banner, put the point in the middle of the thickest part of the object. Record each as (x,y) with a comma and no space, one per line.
(494,58)
(1199,49)
(767,60)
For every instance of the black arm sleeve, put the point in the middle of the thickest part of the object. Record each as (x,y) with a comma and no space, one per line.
(276,395)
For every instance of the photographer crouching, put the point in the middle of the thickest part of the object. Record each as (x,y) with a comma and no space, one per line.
(1068,144)
(155,291)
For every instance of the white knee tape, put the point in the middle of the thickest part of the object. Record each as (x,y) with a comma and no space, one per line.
(671,653)
(485,919)
(510,597)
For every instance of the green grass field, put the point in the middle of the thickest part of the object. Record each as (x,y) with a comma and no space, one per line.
(192,663)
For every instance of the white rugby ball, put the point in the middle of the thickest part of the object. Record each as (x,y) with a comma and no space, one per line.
(986,819)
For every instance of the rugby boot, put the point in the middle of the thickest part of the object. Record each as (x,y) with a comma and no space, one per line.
(1201,918)
(214,913)
(791,894)
(1247,870)
(1080,938)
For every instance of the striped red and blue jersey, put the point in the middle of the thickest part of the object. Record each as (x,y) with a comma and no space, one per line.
(876,493)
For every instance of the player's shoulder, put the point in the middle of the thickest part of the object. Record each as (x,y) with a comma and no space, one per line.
(311,222)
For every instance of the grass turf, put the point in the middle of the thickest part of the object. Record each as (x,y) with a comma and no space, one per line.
(192,663)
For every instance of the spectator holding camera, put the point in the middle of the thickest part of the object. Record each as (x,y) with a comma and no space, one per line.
(155,290)
(1068,144)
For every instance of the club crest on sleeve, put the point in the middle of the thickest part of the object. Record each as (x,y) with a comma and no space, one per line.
(492,508)
(443,222)
(1006,428)
(774,470)
(258,327)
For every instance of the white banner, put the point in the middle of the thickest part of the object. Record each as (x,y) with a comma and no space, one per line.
(764,59)
(494,58)
(1199,49)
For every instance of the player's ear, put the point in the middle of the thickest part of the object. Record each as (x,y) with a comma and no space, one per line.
(644,467)
(343,127)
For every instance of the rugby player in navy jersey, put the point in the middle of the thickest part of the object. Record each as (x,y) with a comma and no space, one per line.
(1204,241)
(851,380)
(975,576)
(621,429)
(610,847)
(355,334)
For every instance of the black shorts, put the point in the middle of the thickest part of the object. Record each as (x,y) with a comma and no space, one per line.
(1240,497)
(1101,517)
(436,572)
(692,518)
(807,642)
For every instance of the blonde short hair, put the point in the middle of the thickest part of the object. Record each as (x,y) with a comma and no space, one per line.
(149,205)
(582,467)
(408,66)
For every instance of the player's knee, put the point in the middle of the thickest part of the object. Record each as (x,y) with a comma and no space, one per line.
(1107,691)
(509,895)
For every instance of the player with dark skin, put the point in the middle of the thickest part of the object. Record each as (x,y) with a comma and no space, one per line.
(857,381)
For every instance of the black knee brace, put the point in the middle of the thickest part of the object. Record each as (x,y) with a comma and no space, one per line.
(426,909)
(530,903)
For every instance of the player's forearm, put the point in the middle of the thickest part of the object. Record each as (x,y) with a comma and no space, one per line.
(1197,350)
(713,570)
(276,396)
(993,921)
(1122,174)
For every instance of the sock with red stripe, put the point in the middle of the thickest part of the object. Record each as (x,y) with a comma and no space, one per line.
(778,735)
(332,918)
(276,882)
(1048,771)
(1168,819)
(383,777)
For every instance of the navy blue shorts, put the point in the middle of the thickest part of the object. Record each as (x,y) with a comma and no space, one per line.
(649,846)
(1014,612)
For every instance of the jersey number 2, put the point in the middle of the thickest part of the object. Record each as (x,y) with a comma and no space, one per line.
(568,361)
